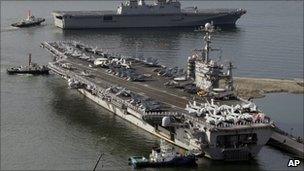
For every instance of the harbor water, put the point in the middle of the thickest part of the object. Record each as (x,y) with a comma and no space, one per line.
(45,125)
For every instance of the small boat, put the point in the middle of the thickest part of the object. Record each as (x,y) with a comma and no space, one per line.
(29,21)
(165,156)
(31,68)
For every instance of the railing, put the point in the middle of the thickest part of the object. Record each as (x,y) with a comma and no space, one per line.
(161,114)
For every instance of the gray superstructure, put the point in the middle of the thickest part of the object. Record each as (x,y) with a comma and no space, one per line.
(136,13)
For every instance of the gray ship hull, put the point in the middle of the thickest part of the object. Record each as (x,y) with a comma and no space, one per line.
(108,19)
(38,21)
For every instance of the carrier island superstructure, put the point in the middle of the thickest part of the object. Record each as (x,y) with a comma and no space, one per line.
(194,109)
(136,13)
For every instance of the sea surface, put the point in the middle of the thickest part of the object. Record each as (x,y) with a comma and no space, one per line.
(45,125)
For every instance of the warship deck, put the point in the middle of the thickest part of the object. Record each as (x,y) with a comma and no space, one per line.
(173,99)
(113,12)
(152,87)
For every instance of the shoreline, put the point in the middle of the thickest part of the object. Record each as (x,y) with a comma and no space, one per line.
(250,87)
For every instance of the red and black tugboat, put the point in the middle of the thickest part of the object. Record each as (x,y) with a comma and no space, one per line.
(31,68)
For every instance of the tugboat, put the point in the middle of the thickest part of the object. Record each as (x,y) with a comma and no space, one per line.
(165,156)
(29,21)
(32,68)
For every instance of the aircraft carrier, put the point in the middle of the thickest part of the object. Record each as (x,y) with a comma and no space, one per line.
(195,109)
(136,13)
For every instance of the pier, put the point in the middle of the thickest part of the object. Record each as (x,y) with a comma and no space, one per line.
(285,142)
